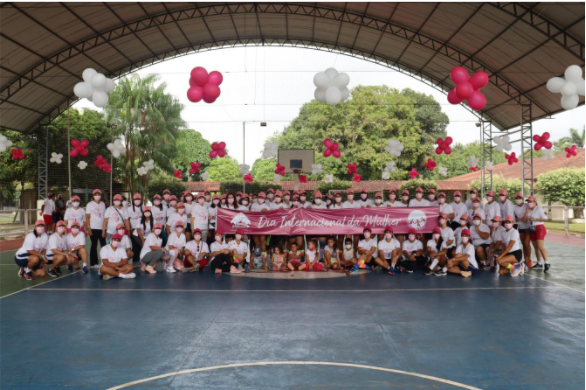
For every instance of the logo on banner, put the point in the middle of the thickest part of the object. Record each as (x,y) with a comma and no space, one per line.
(417,219)
(240,221)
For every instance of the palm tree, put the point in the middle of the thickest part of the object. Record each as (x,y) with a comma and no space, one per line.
(149,120)
(577,138)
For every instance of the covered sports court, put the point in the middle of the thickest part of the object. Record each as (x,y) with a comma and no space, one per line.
(367,331)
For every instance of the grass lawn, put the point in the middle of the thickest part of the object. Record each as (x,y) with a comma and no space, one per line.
(559,226)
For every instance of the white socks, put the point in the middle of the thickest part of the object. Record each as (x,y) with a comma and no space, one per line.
(85,264)
(27,269)
(121,275)
(433,264)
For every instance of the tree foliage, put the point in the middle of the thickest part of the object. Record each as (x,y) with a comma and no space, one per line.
(255,187)
(264,170)
(457,161)
(224,169)
(575,138)
(565,185)
(412,185)
(162,181)
(191,147)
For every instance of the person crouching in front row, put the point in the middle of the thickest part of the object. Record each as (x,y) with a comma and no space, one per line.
(464,261)
(152,253)
(115,261)
(197,253)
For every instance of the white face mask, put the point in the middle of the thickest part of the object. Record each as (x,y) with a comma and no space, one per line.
(244,203)
(519,201)
(207,197)
(120,231)
(411,237)
(270,196)
(238,197)
(156,202)
(441,200)
(75,204)
(431,197)
(476,204)
(278,199)
(260,200)
(230,200)
(531,204)
(465,240)
(166,197)
(147,215)
(173,203)
(197,236)
(115,244)
(218,238)
(477,222)
(302,198)
(338,200)
(75,231)
(328,202)
(392,197)
(419,195)
(216,201)
(405,198)
(97,198)
(287,197)
(40,230)
(495,224)
(295,203)
(366,234)
(158,231)
(388,236)
(181,211)
(137,202)
(472,194)
(436,236)
(317,201)
(502,198)
(508,225)
(489,198)
(348,247)
(442,221)
(179,230)
(61,229)
(238,236)
(463,222)
(350,197)
(457,199)
(201,201)
(363,196)
(378,201)
(117,203)
(189,198)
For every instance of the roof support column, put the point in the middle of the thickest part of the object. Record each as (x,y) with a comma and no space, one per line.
(43,166)
(485,156)
(526,150)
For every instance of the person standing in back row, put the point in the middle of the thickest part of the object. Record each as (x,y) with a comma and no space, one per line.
(94,221)
(47,212)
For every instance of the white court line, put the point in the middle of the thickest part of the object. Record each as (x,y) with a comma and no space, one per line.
(40,284)
(557,284)
(298,291)
(390,370)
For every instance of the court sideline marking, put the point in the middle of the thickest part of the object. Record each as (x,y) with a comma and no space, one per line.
(40,284)
(374,368)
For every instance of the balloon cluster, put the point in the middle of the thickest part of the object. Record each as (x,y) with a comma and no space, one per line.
(205,175)
(177,174)
(280,170)
(468,88)
(146,167)
(570,87)
(194,167)
(356,177)
(394,147)
(443,146)
(17,154)
(271,149)
(547,155)
(571,151)
(413,173)
(248,178)
(244,169)
(95,87)
(332,148)
(329,178)
(332,87)
(352,168)
(474,168)
(502,143)
(302,179)
(316,169)
(386,175)
(82,165)
(102,163)
(541,141)
(79,147)
(390,167)
(511,158)
(56,158)
(117,148)
(277,178)
(218,150)
(430,164)
(473,163)
(442,171)
(203,85)
(5,143)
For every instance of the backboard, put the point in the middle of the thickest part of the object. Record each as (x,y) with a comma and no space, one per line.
(296,160)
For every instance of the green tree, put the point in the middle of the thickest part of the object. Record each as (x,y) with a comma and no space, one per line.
(513,186)
(412,185)
(17,173)
(224,169)
(264,170)
(192,147)
(457,161)
(565,185)
(255,187)
(575,138)
(363,124)
(161,181)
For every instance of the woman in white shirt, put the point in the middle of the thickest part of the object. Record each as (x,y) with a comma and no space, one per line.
(480,236)
(57,252)
(199,217)
(459,209)
(75,213)
(510,258)
(94,221)
(180,215)
(159,214)
(76,245)
(464,263)
(197,253)
(437,249)
(152,252)
(213,217)
(535,216)
(519,210)
(243,203)
(389,250)
(114,261)
(476,209)
(419,201)
(125,242)
(31,256)
(221,260)
(175,245)
(114,215)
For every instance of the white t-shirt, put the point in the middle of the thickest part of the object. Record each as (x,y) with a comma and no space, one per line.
(311,256)
(448,235)
(497,235)
(446,208)
(196,249)
(348,205)
(33,243)
(388,247)
(411,247)
(158,215)
(458,235)
(433,245)
(519,212)
(348,253)
(433,203)
(200,216)
(216,246)
(396,203)
(115,216)
(188,208)
(176,241)
(56,242)
(212,216)
(49,207)
(468,250)
(492,210)
(416,203)
(96,212)
(305,205)
(150,240)
(174,218)
(321,206)
(476,239)
(145,229)
(243,208)
(336,207)
(125,243)
(171,211)
(331,251)
(459,209)
(506,208)
(73,215)
(134,215)
(479,211)
(72,241)
(113,256)
(364,203)
(275,206)
(367,245)
(241,248)
(260,207)
(512,235)
(537,212)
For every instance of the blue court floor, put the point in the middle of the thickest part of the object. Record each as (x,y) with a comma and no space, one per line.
(371,331)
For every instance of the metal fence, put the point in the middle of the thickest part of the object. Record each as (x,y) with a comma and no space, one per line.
(17,223)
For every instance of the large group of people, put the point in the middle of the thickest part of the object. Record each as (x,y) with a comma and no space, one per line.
(177,233)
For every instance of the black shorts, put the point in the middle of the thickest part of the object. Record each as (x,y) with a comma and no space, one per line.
(371,263)
(188,228)
(523,231)
(518,254)
(485,246)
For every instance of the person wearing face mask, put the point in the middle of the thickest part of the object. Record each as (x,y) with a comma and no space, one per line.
(166,198)
(125,241)
(405,198)
(172,206)
(197,253)
(505,204)
(31,256)
(431,197)
(243,204)
(230,201)
(270,197)
(212,217)
(303,203)
(278,202)
(295,259)
(535,216)
(445,208)
(287,200)
(364,202)
(221,260)
(351,204)
(189,204)
(174,248)
(496,242)
(378,200)
(463,224)
(239,196)
(491,208)
(312,256)
(135,212)
(223,201)
(199,217)
(480,235)
(347,254)
(318,203)
(114,215)
(260,240)
(436,251)
(114,261)
(94,221)
(367,253)
(153,255)
(477,210)
(57,252)
(75,242)
(412,252)
(180,215)
(208,198)
(393,202)
(473,194)
(447,234)
(519,210)
(329,201)
(510,258)
(47,212)
(160,215)
(75,213)
(418,201)
(139,234)
(464,263)
(337,201)
(459,209)
(239,250)
(389,250)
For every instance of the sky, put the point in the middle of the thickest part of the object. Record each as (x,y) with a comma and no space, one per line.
(270,84)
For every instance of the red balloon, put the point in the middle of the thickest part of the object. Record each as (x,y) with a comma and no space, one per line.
(215,146)
(477,101)
(222,145)
(479,80)
(464,90)
(221,152)
(453,97)
(327,153)
(328,143)
(199,76)
(459,75)
(74,142)
(79,148)
(215,78)
(73,153)
(211,91)
(449,140)
(195,94)
(207,99)
(438,150)
(336,153)
(213,154)
(335,146)
(83,152)
(448,150)
(85,143)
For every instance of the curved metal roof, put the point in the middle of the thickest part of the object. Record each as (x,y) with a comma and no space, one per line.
(46,46)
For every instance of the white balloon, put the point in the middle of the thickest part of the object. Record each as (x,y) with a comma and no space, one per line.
(573,73)
(321,80)
(568,89)
(115,153)
(569,102)
(83,90)
(555,84)
(91,98)
(88,74)
(331,72)
(580,87)
(341,80)
(333,95)
(320,94)
(345,93)
(110,86)
(99,82)
(100,99)
(110,146)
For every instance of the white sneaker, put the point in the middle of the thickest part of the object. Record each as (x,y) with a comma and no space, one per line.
(196,267)
(131,275)
(170,269)
(516,271)
(95,267)
(234,270)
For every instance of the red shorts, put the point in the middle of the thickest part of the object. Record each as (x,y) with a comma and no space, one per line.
(316,266)
(48,219)
(202,263)
(295,263)
(539,233)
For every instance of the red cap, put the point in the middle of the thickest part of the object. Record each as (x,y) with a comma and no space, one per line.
(443,215)
(240,231)
(389,229)
(270,190)
(215,196)
(75,223)
(200,195)
(219,231)
(239,193)
(244,196)
(278,193)
(117,237)
(464,217)
(405,192)
(120,226)
(262,195)
(146,208)
(412,231)
(503,192)
(137,196)
(61,223)
(442,194)
(436,230)
(465,232)
(157,196)
(287,192)
(509,218)
(172,197)
(531,199)
(295,196)
(223,196)
(474,190)
(206,192)
(197,230)
(519,195)
(159,226)
(490,193)
(40,222)
(477,215)
(317,194)
(349,191)
(378,195)
(392,190)
(363,191)
(166,192)
(497,218)
(180,205)
(74,198)
(330,196)
(457,193)
(117,197)
(476,199)
(337,193)
(367,228)
(431,191)
(419,189)
(97,191)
